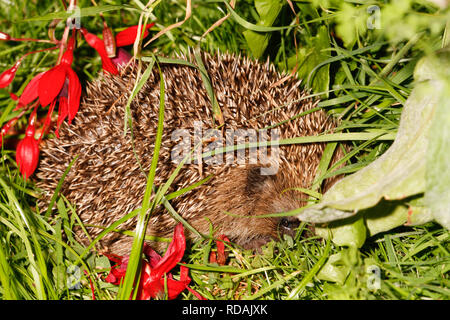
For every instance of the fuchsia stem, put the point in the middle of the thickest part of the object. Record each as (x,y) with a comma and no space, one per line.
(63,42)
(36,51)
(33,40)
(33,116)
(6,37)
(48,119)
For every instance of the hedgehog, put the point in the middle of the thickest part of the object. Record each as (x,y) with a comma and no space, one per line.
(108,179)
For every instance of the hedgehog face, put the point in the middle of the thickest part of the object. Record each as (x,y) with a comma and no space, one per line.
(272,195)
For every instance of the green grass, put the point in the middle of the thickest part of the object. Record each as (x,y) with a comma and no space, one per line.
(413,264)
(364,83)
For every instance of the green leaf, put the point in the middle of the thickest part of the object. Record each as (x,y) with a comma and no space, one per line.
(252,26)
(351,22)
(309,276)
(58,187)
(310,57)
(417,162)
(385,216)
(257,42)
(217,113)
(268,11)
(349,232)
(437,195)
(139,83)
(334,269)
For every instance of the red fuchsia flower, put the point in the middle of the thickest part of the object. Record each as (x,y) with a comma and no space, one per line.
(123,38)
(97,43)
(7,76)
(60,85)
(108,40)
(49,87)
(52,81)
(27,153)
(155,269)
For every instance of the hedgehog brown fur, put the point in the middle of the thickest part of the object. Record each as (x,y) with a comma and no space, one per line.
(107,181)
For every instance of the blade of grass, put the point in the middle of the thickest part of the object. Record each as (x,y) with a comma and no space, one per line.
(23,224)
(7,278)
(83,12)
(58,187)
(140,81)
(208,86)
(136,250)
(258,28)
(314,270)
(352,136)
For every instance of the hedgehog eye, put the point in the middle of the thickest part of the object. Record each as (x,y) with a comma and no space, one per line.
(289,225)
(284,223)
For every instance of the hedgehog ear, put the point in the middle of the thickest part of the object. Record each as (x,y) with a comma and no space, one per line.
(256,180)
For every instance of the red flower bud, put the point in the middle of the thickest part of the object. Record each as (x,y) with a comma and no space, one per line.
(221,256)
(109,41)
(128,36)
(27,153)
(6,128)
(8,75)
(4,36)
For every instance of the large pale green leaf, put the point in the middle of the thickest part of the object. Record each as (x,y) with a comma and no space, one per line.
(417,164)
(350,232)
(437,195)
